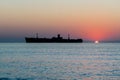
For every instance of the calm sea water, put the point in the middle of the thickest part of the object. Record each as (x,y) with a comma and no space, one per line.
(59,61)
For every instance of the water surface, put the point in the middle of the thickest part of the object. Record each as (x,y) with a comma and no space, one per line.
(59,61)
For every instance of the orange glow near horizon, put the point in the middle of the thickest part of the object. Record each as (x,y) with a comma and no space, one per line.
(96,35)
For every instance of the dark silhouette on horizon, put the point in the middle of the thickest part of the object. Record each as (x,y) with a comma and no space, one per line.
(57,39)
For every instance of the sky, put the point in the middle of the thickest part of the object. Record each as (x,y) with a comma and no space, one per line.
(87,19)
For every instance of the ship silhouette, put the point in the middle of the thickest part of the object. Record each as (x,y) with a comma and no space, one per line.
(57,39)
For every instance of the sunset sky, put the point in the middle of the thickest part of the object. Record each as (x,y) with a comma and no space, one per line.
(88,19)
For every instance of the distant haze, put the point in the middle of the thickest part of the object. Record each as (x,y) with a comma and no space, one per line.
(88,19)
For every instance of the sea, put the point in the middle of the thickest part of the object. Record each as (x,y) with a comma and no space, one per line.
(59,61)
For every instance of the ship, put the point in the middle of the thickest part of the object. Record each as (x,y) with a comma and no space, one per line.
(57,39)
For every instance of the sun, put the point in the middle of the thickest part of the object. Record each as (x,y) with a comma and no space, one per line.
(96,42)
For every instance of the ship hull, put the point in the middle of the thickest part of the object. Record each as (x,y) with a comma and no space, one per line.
(44,40)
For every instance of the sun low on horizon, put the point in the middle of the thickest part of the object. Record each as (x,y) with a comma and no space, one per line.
(96,42)
(90,20)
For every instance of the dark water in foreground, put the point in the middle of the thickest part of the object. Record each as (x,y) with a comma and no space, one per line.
(52,61)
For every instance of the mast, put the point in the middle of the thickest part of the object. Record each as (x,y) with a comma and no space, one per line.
(68,37)
(36,35)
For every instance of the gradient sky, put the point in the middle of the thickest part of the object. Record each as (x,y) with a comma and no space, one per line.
(88,19)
